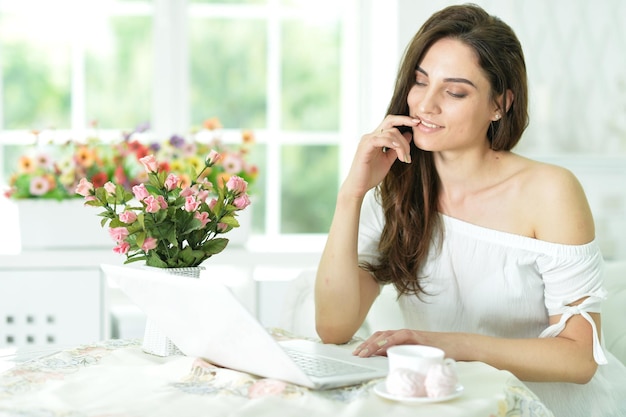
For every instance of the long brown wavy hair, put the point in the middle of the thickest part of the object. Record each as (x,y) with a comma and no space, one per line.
(409,193)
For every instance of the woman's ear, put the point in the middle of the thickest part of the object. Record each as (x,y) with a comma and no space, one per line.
(502,100)
(508,97)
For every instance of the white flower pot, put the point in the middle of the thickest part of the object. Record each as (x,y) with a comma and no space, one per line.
(155,341)
(53,224)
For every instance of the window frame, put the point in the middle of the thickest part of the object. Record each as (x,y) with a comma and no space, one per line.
(170,106)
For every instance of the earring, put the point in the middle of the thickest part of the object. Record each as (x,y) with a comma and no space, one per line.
(497,116)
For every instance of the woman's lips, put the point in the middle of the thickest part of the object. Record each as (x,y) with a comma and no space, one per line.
(429,124)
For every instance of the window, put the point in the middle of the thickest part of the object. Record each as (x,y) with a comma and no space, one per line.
(278,67)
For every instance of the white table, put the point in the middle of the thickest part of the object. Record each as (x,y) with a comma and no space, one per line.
(116,378)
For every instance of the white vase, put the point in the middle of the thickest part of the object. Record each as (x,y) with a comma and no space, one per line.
(155,341)
(64,224)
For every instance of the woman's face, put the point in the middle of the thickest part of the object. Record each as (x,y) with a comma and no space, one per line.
(452,98)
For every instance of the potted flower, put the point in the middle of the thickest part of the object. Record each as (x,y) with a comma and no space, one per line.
(167,222)
(52,170)
(46,175)
(43,182)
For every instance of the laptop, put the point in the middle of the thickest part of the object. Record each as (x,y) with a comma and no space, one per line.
(203,318)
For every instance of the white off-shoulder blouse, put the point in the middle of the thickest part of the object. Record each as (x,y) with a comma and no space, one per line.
(494,283)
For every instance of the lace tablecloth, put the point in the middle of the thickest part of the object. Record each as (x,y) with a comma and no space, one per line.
(115,378)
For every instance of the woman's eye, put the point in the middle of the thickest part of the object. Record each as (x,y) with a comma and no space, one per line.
(456,95)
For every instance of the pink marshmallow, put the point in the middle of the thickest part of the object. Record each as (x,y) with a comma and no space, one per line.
(405,383)
(441,381)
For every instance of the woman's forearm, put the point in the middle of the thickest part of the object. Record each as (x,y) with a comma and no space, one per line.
(339,306)
(568,357)
(536,359)
(343,291)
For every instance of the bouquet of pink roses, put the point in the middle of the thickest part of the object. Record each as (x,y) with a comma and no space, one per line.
(165,223)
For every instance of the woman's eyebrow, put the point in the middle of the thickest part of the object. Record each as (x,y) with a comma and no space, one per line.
(450,79)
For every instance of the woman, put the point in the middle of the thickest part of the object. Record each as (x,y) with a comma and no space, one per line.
(493,254)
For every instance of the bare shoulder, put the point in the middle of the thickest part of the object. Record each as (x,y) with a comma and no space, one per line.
(561,213)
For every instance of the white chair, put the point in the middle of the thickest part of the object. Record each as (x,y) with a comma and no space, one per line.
(298,312)
(299,309)
(614,310)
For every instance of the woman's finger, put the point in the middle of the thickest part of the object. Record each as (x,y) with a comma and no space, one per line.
(392,141)
(396,121)
(376,343)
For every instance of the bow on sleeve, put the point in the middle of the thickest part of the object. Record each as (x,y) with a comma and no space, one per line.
(591,303)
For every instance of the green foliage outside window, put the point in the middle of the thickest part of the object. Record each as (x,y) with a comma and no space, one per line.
(309,188)
(35,78)
(310,90)
(228,61)
(119,74)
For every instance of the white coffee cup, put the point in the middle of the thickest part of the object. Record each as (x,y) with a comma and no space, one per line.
(417,358)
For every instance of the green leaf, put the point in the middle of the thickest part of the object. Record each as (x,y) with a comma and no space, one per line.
(141,220)
(154,260)
(191,257)
(153,181)
(172,237)
(94,203)
(162,175)
(134,228)
(140,238)
(128,196)
(230,220)
(101,194)
(179,201)
(215,246)
(154,190)
(160,216)
(193,224)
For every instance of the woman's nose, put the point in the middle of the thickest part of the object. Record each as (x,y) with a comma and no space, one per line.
(428,103)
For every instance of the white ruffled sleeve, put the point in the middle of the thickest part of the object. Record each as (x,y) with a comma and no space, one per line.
(569,274)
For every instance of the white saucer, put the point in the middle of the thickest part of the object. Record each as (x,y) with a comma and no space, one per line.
(381,389)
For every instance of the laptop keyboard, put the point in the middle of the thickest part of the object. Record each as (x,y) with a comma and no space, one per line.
(318,366)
